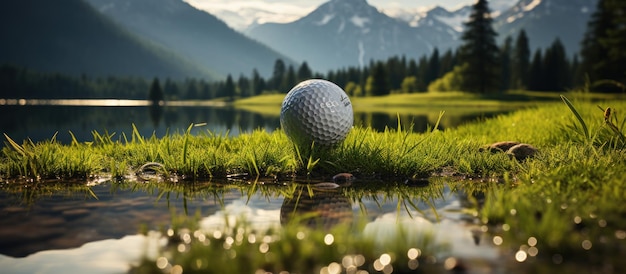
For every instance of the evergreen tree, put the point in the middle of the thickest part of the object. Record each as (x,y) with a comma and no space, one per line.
(243,86)
(447,63)
(556,71)
(229,88)
(278,75)
(258,83)
(433,67)
(600,59)
(520,62)
(289,80)
(616,41)
(505,63)
(304,72)
(535,78)
(155,95)
(377,83)
(479,51)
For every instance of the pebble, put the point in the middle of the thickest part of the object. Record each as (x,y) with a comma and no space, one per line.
(521,151)
(343,178)
(517,150)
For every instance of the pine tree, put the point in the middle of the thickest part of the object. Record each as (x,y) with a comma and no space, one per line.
(600,49)
(556,70)
(258,83)
(479,51)
(520,62)
(155,94)
(229,88)
(433,67)
(505,63)
(278,75)
(304,72)
(535,77)
(377,83)
(616,41)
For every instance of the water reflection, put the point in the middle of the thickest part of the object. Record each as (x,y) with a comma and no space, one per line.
(317,208)
(40,121)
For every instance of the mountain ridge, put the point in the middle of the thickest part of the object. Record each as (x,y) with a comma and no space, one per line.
(193,33)
(74,39)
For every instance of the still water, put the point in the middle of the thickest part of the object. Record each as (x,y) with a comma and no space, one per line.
(96,229)
(41,122)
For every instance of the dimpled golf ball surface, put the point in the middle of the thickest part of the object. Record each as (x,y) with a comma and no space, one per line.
(316,111)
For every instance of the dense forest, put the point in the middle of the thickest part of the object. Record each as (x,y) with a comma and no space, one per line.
(478,66)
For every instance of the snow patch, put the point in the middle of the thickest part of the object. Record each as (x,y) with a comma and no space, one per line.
(455,22)
(532,5)
(361,54)
(325,19)
(341,26)
(359,21)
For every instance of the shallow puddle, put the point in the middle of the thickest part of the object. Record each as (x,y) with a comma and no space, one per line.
(97,229)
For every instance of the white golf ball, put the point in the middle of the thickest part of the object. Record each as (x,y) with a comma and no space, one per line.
(316,111)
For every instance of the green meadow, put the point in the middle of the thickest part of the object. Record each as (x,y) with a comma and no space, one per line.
(564,204)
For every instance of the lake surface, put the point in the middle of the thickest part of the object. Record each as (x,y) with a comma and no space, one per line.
(40,121)
(96,230)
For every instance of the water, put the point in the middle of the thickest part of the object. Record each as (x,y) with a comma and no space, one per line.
(95,229)
(42,122)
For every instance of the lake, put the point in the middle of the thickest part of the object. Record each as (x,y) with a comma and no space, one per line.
(41,120)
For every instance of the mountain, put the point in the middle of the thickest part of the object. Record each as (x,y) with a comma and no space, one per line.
(195,34)
(70,37)
(342,33)
(545,20)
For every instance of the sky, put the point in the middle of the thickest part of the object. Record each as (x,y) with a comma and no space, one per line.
(289,10)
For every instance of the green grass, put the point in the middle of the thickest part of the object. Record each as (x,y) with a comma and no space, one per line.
(564,205)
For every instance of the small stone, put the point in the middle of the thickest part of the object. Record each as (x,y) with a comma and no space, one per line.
(499,146)
(521,151)
(343,178)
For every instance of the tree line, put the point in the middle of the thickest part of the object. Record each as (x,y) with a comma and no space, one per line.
(479,65)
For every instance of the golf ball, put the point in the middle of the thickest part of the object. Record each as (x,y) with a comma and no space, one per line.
(316,111)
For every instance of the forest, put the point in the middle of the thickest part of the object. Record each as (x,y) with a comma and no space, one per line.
(478,66)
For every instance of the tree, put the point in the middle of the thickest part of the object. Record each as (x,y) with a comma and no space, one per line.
(377,83)
(289,80)
(535,78)
(258,83)
(155,95)
(433,67)
(505,63)
(479,51)
(304,72)
(409,84)
(229,88)
(555,69)
(600,47)
(521,62)
(278,74)
(244,87)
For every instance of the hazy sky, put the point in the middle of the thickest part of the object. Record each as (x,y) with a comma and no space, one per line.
(297,8)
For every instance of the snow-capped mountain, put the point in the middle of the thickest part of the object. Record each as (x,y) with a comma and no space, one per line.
(545,20)
(344,33)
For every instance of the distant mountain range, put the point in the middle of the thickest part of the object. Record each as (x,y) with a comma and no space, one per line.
(343,33)
(194,34)
(70,37)
(545,20)
(170,38)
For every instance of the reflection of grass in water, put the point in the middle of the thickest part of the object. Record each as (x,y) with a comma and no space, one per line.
(241,247)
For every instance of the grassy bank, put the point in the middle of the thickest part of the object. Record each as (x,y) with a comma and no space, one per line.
(563,205)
